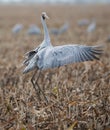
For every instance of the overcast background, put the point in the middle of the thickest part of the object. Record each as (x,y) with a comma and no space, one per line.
(56,1)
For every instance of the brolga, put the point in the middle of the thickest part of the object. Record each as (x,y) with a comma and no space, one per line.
(47,56)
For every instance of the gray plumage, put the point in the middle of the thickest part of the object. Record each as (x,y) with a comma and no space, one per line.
(47,56)
(51,57)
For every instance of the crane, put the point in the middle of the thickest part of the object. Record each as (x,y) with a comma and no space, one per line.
(33,30)
(83,22)
(17,28)
(91,28)
(61,30)
(47,56)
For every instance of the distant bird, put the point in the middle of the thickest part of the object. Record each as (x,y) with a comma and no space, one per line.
(17,28)
(83,22)
(46,56)
(91,28)
(61,30)
(54,31)
(33,30)
(64,28)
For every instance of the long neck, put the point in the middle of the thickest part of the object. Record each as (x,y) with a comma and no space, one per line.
(46,33)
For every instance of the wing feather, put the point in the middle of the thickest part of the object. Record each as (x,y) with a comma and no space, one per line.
(29,55)
(83,55)
(87,55)
(76,56)
(93,55)
(97,52)
(68,54)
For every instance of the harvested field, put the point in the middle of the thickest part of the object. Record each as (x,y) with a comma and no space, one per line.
(78,94)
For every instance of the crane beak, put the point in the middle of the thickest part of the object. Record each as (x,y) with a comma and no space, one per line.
(46,16)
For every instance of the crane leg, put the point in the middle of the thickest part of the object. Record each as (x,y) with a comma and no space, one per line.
(40,90)
(33,83)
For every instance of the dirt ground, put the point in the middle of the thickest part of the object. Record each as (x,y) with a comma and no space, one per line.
(78,94)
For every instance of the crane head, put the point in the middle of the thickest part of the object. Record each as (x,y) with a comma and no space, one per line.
(44,15)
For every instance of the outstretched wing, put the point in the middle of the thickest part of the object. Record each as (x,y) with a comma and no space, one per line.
(29,55)
(68,54)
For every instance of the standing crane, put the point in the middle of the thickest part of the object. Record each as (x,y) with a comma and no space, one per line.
(83,22)
(91,28)
(46,56)
(17,28)
(61,30)
(33,30)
